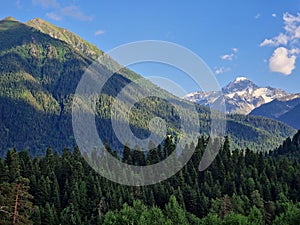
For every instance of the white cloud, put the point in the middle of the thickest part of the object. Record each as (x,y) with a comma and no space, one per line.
(268,42)
(222,69)
(291,34)
(294,51)
(292,25)
(297,33)
(235,50)
(283,59)
(282,62)
(290,19)
(99,32)
(53,16)
(61,12)
(46,3)
(227,57)
(274,15)
(257,16)
(230,56)
(281,39)
(76,13)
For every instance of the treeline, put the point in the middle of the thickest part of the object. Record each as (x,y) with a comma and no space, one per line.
(240,187)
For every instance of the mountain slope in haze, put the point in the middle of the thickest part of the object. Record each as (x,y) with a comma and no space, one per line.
(275,108)
(38,78)
(292,117)
(241,96)
(286,109)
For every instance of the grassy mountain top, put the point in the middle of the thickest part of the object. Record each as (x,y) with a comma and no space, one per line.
(8,23)
(9,18)
(62,34)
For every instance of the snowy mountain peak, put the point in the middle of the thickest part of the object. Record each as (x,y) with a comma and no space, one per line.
(238,85)
(239,79)
(241,96)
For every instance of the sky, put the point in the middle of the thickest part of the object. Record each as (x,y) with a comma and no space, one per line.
(258,39)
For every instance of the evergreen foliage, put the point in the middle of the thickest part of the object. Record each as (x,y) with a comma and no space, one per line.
(240,187)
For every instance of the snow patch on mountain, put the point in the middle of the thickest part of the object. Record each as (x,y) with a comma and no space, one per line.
(239,79)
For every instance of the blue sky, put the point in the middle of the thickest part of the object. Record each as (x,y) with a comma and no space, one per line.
(258,39)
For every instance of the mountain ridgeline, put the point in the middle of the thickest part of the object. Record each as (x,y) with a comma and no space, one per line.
(245,97)
(241,96)
(40,67)
(285,109)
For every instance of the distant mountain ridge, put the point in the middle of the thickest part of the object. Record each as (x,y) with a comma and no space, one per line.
(285,109)
(241,96)
(277,107)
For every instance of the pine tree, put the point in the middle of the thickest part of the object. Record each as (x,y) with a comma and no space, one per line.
(127,158)
(226,206)
(17,207)
(13,163)
(255,217)
(175,213)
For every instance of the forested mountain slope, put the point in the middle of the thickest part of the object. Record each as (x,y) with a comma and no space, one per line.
(40,67)
(290,148)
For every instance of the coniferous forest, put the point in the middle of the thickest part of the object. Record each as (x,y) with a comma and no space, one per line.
(240,187)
